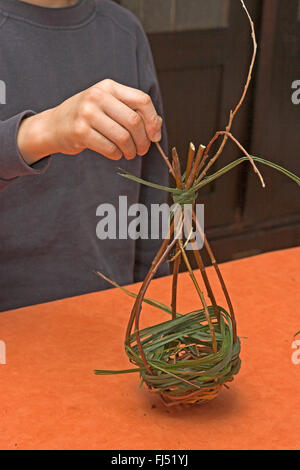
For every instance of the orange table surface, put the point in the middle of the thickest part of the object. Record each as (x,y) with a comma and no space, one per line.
(50,398)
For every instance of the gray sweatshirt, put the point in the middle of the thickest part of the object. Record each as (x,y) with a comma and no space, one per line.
(48,242)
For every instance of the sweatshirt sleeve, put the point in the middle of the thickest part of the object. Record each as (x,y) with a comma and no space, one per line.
(12,165)
(154,168)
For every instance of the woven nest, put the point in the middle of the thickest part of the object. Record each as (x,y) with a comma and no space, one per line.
(188,359)
(183,366)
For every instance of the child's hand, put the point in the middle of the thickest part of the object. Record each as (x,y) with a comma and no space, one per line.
(109,118)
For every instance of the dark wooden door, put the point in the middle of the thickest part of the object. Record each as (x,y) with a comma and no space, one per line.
(274,213)
(201,74)
(202,52)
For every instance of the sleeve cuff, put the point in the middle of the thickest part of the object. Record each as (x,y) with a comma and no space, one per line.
(12,165)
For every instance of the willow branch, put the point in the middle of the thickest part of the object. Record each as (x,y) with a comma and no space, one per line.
(246,87)
(212,161)
(167,161)
(201,295)
(190,159)
(220,277)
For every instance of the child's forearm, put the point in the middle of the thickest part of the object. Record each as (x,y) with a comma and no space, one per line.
(35,139)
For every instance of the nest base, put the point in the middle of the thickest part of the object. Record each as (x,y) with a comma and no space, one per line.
(183,367)
(199,397)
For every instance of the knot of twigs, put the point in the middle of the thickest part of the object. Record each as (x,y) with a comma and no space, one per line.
(185,196)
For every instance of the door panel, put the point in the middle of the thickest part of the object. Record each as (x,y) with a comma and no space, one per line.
(202,75)
(276,132)
(202,52)
(179,15)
